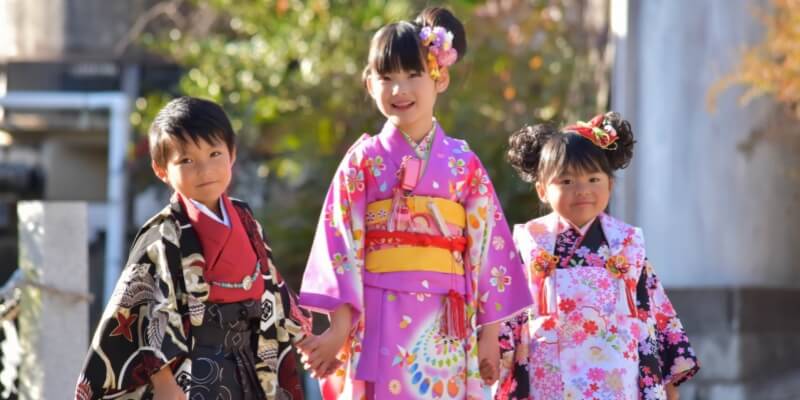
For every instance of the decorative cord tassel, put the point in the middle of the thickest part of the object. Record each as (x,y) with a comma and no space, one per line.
(454,323)
(542,300)
(547,300)
(630,286)
(549,286)
(623,305)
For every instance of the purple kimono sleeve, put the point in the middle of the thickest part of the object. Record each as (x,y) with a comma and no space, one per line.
(501,286)
(333,275)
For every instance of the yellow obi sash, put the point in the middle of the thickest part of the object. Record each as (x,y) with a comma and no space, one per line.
(417,256)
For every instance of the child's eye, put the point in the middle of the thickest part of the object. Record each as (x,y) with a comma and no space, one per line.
(566,181)
(185,161)
(385,78)
(416,74)
(594,179)
(216,153)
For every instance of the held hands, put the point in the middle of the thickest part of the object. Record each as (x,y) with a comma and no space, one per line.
(489,353)
(318,353)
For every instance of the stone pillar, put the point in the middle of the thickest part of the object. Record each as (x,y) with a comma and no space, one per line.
(54,317)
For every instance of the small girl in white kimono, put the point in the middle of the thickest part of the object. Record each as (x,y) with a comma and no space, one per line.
(601,325)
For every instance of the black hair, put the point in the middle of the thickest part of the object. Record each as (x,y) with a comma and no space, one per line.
(397,47)
(541,151)
(188,118)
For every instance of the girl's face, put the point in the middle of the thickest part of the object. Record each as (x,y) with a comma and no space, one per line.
(577,196)
(407,98)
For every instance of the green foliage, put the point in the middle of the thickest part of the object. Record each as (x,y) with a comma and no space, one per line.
(289,74)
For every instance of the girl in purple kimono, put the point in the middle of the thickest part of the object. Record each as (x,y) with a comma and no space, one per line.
(601,325)
(413,259)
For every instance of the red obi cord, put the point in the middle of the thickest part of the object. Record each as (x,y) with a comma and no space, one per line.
(458,244)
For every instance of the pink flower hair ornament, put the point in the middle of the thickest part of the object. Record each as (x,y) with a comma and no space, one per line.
(441,53)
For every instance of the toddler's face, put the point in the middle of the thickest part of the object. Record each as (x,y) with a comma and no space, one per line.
(199,171)
(577,196)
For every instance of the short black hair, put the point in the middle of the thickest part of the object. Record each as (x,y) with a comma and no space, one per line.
(188,118)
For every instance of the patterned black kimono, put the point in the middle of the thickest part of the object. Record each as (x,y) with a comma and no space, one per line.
(161,298)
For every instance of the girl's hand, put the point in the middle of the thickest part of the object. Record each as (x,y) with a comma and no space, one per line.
(165,387)
(489,353)
(672,392)
(318,353)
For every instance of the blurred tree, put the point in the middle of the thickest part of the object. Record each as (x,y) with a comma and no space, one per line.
(771,67)
(289,74)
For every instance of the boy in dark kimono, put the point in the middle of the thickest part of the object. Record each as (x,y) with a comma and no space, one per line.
(200,310)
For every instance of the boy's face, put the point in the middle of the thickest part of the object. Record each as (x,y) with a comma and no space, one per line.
(200,171)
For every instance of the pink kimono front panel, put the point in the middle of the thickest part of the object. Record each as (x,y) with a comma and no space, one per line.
(397,350)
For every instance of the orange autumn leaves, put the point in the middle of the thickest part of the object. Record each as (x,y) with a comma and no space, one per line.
(771,67)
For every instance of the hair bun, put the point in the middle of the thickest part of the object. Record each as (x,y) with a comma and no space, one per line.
(525,147)
(440,16)
(620,157)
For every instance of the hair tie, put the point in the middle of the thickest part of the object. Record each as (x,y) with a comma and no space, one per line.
(598,130)
(441,53)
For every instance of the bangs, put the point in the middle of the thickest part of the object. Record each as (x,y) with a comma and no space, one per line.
(396,48)
(570,152)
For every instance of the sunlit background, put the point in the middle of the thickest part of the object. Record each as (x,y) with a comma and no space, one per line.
(711,88)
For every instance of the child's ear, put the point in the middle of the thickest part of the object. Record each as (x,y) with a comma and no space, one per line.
(542,192)
(368,82)
(160,172)
(444,80)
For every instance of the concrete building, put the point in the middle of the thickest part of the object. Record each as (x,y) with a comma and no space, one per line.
(65,67)
(717,192)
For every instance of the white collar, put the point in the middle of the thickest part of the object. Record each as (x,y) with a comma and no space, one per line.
(205,210)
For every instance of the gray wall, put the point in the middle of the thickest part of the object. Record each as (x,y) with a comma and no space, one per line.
(717,193)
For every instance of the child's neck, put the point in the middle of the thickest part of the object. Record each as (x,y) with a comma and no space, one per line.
(213,206)
(418,131)
(579,227)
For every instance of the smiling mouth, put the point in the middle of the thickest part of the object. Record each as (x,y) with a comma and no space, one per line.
(403,105)
(206,184)
(583,203)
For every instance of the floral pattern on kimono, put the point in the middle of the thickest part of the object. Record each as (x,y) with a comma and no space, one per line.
(396,349)
(662,352)
(160,296)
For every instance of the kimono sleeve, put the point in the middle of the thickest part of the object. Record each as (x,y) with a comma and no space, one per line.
(669,345)
(333,275)
(141,329)
(491,254)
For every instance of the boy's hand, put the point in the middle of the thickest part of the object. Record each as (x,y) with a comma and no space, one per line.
(489,353)
(319,352)
(165,387)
